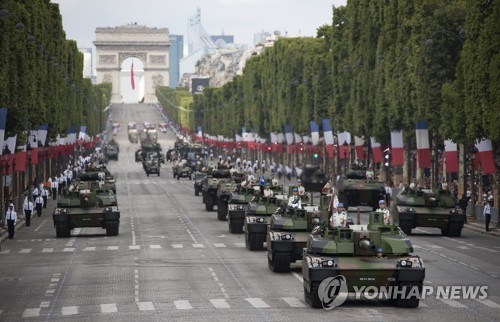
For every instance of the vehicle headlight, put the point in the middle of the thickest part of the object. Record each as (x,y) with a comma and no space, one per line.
(286,237)
(327,263)
(405,263)
(260,220)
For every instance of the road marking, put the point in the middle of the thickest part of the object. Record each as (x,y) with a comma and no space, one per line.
(293,302)
(155,246)
(69,310)
(257,302)
(47,250)
(183,305)
(145,306)
(239,244)
(31,313)
(220,303)
(462,263)
(45,304)
(89,249)
(198,245)
(25,250)
(434,246)
(40,226)
(298,277)
(50,291)
(112,247)
(69,249)
(453,303)
(219,245)
(6,251)
(416,246)
(489,303)
(134,247)
(177,246)
(463,247)
(109,308)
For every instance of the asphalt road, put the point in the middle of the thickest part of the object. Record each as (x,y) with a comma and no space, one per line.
(174,261)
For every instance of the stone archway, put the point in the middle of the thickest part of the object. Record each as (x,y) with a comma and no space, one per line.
(115,44)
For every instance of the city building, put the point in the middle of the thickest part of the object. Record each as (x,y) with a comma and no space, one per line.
(175,56)
(88,65)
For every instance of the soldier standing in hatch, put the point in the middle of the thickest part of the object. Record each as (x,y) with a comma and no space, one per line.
(385,211)
(339,217)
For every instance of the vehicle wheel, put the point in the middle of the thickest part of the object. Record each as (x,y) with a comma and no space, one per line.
(454,230)
(312,297)
(235,227)
(112,229)
(404,300)
(222,211)
(279,261)
(254,241)
(209,204)
(62,230)
(196,192)
(405,227)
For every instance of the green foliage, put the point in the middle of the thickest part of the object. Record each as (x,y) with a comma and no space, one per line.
(41,81)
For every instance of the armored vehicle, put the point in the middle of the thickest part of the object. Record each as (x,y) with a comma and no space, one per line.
(199,178)
(182,170)
(224,189)
(313,179)
(111,150)
(152,135)
(373,255)
(92,173)
(355,191)
(425,208)
(288,233)
(147,147)
(257,217)
(151,163)
(133,136)
(87,205)
(210,187)
(237,206)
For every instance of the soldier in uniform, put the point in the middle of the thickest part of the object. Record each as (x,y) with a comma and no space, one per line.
(11,217)
(294,200)
(385,211)
(28,210)
(267,191)
(339,217)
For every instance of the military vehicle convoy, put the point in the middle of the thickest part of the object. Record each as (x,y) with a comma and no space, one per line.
(355,191)
(210,187)
(313,179)
(354,254)
(87,204)
(237,206)
(288,233)
(426,208)
(257,218)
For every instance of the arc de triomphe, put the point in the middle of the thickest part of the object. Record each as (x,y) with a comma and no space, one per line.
(150,45)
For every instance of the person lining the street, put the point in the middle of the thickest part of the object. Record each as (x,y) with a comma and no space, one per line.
(487,215)
(39,205)
(45,196)
(294,200)
(339,217)
(382,208)
(28,210)
(11,217)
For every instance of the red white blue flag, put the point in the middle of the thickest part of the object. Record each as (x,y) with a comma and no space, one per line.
(423,149)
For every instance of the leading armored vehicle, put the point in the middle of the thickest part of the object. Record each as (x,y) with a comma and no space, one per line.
(87,204)
(375,255)
(426,208)
(356,191)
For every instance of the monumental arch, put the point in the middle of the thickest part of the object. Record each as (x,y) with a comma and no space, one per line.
(150,45)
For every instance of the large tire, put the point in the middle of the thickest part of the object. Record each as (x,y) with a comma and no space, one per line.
(406,227)
(280,261)
(254,241)
(312,297)
(222,211)
(209,204)
(112,229)
(235,227)
(408,302)
(62,230)
(453,230)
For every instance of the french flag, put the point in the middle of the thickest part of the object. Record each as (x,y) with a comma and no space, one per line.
(451,155)
(486,158)
(397,148)
(3,122)
(83,131)
(344,144)
(288,134)
(423,149)
(42,134)
(376,150)
(327,132)
(358,144)
(314,132)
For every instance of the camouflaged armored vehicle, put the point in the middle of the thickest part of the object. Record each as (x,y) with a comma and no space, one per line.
(224,190)
(86,204)
(313,179)
(111,150)
(425,208)
(199,178)
(210,187)
(257,218)
(92,173)
(355,191)
(373,255)
(133,136)
(148,147)
(237,206)
(151,164)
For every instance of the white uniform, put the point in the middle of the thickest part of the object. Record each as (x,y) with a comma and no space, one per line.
(301,190)
(294,202)
(338,219)
(268,193)
(387,215)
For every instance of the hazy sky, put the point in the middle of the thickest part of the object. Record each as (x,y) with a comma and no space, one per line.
(241,18)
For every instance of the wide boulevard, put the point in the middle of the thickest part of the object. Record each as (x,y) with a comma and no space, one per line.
(175,261)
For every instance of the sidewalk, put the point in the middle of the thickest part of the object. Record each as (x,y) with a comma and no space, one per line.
(479,227)
(21,222)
